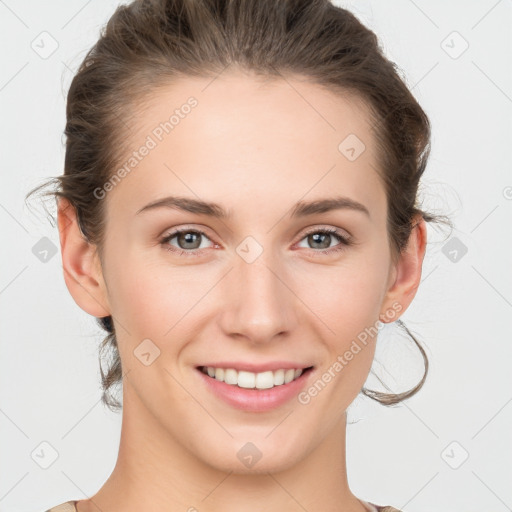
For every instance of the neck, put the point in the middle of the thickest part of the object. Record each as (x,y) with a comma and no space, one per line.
(154,472)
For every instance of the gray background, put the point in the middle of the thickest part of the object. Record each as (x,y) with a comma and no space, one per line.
(448,448)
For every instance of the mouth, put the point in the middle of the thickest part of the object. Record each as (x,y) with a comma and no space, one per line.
(254,392)
(252,380)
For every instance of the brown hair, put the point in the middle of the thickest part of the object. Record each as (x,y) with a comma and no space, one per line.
(148,43)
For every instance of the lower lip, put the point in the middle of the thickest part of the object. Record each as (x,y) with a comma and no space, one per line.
(255,400)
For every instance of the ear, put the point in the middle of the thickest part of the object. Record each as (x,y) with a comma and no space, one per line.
(405,275)
(81,264)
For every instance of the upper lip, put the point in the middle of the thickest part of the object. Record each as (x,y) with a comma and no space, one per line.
(258,368)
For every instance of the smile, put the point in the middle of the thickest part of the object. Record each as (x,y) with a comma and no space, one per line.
(254,392)
(251,380)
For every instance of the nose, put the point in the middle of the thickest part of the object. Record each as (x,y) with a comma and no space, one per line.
(258,303)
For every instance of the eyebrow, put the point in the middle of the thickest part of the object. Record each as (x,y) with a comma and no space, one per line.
(300,209)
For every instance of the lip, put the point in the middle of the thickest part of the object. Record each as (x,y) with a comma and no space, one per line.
(258,368)
(255,400)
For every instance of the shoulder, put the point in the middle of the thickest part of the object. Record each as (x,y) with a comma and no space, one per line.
(68,506)
(373,507)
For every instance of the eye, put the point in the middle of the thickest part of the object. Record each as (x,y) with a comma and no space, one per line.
(322,238)
(189,240)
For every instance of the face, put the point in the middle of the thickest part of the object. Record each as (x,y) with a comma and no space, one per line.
(272,283)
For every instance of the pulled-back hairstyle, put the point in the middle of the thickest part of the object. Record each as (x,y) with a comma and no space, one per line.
(150,43)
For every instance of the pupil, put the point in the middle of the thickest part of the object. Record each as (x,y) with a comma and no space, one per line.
(188,238)
(325,236)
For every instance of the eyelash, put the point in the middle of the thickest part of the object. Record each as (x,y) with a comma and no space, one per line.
(344,241)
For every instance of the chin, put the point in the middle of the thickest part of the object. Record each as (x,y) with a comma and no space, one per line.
(252,457)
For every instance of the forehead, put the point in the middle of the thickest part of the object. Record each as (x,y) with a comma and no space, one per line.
(239,138)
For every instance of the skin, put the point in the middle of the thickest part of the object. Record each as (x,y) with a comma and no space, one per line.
(256,148)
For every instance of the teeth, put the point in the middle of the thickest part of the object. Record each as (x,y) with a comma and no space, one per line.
(250,380)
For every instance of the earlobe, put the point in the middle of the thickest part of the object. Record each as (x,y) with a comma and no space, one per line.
(407,272)
(82,271)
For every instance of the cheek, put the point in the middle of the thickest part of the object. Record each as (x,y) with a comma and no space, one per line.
(348,298)
(353,320)
(143,299)
(351,312)
(156,301)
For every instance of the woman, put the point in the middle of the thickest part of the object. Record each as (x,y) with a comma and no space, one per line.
(239,209)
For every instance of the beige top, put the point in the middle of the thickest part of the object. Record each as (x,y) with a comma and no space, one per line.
(69,506)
